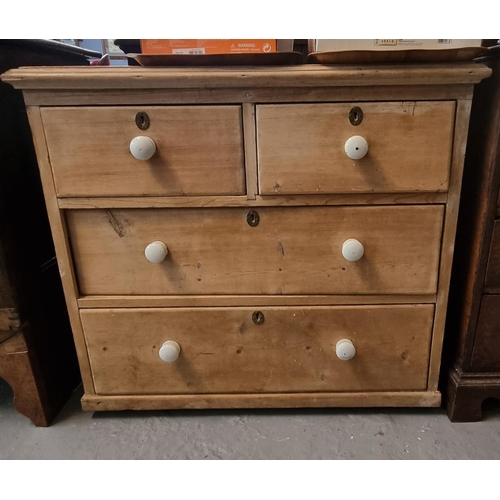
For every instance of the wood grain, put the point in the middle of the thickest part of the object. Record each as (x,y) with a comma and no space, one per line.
(260,201)
(6,334)
(301,148)
(107,301)
(486,353)
(84,97)
(301,400)
(291,251)
(199,151)
(18,367)
(448,240)
(493,268)
(236,77)
(223,351)
(63,253)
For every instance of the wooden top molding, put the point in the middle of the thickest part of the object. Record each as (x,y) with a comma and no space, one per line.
(100,78)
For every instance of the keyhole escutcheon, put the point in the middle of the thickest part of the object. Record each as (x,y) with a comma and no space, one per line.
(142,120)
(355,116)
(253,218)
(258,317)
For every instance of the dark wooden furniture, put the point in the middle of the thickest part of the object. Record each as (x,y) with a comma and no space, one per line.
(37,354)
(472,341)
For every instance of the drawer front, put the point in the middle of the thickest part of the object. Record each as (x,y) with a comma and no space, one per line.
(290,251)
(486,353)
(224,351)
(301,147)
(199,151)
(493,269)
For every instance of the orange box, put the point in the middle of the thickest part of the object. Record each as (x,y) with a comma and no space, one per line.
(216,46)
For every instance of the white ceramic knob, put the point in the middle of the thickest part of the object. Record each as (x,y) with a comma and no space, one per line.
(169,351)
(156,252)
(142,147)
(352,250)
(356,147)
(345,349)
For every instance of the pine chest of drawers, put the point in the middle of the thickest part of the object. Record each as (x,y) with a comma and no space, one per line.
(253,237)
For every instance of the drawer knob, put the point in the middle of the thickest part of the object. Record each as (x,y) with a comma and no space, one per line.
(356,147)
(169,351)
(142,147)
(352,250)
(345,350)
(156,252)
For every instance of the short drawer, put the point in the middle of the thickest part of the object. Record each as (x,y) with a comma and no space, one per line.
(290,250)
(301,147)
(222,350)
(199,151)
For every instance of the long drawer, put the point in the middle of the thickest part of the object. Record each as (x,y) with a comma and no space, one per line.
(268,251)
(289,349)
(301,147)
(199,151)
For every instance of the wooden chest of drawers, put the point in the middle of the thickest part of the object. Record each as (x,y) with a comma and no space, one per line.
(258,237)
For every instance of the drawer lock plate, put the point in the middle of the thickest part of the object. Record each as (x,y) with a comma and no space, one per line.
(142,120)
(355,116)
(253,218)
(258,317)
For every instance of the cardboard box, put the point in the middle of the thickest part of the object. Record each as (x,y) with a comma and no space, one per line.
(389,44)
(215,46)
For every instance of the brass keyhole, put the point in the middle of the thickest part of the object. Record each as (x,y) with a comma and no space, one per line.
(253,218)
(258,317)
(142,120)
(355,116)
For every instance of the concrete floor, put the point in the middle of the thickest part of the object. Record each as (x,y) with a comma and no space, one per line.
(270,434)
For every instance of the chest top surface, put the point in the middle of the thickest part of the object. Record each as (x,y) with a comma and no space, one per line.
(238,77)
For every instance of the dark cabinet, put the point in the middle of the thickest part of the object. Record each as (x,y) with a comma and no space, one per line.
(472,341)
(37,354)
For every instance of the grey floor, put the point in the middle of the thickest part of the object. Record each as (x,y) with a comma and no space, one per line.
(276,434)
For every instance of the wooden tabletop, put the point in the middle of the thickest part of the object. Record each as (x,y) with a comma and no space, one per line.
(106,77)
